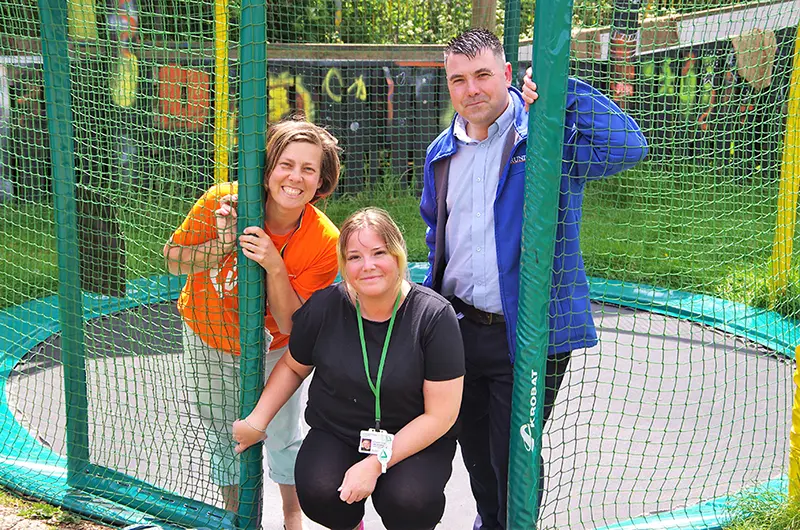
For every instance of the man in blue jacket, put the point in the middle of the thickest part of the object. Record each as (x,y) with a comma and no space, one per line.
(472,202)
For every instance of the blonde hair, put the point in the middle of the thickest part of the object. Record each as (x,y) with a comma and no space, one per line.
(382,223)
(286,132)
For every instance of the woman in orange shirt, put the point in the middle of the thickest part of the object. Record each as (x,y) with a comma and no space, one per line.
(297,249)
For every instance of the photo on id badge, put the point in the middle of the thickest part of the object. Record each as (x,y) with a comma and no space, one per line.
(373,441)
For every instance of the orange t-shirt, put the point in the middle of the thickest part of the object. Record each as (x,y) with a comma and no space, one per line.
(209,302)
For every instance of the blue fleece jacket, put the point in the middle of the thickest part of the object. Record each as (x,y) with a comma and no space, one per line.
(599,140)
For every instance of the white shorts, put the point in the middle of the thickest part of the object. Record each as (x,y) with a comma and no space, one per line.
(212,380)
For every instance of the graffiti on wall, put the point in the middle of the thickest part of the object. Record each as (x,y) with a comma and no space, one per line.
(719,102)
(694,103)
(379,111)
(184,92)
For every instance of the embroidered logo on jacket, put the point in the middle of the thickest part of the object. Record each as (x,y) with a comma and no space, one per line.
(518,159)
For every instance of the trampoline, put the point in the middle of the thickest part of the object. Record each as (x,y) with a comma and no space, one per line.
(685,401)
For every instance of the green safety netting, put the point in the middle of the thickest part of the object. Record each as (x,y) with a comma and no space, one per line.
(684,403)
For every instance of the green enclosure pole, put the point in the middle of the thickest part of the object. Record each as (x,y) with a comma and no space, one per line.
(511,26)
(252,129)
(551,39)
(55,51)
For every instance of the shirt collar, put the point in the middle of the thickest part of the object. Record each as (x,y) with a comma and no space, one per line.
(500,125)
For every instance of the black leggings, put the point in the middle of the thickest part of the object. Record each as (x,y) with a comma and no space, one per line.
(410,496)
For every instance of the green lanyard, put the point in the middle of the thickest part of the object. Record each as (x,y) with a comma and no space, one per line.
(376,387)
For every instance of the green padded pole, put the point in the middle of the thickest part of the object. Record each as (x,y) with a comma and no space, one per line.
(551,40)
(252,138)
(511,26)
(55,51)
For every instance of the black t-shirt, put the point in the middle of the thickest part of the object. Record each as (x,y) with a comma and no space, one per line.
(425,344)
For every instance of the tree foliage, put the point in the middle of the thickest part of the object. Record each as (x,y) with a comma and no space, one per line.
(365,21)
(361,21)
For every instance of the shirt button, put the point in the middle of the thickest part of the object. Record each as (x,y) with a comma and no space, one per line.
(478,249)
(478,214)
(479,179)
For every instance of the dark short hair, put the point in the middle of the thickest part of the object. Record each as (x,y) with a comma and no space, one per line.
(296,129)
(474,41)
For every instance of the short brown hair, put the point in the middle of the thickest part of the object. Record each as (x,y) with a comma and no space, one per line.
(293,130)
(472,42)
(383,224)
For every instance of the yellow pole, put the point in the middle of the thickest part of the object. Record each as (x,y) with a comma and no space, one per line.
(794,438)
(222,137)
(82,18)
(790,184)
(337,20)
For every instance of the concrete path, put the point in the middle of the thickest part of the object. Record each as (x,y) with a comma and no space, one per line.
(459,511)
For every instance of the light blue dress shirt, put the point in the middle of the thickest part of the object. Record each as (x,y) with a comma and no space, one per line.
(470,249)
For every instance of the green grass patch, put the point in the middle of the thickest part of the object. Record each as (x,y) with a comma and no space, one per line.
(755,288)
(28,250)
(401,202)
(28,259)
(765,510)
(51,514)
(9,499)
(694,232)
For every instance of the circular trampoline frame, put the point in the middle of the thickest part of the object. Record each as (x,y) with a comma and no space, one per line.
(28,466)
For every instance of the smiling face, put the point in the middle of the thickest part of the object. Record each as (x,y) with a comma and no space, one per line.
(296,176)
(478,88)
(370,269)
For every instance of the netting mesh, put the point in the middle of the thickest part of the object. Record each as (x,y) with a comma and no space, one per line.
(662,415)
(662,402)
(135,404)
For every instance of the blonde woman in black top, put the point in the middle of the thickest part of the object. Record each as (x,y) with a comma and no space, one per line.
(386,392)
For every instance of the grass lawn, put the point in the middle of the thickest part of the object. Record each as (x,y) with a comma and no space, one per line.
(765,511)
(691,231)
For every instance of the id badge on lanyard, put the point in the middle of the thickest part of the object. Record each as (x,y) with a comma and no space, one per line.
(376,441)
(379,443)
